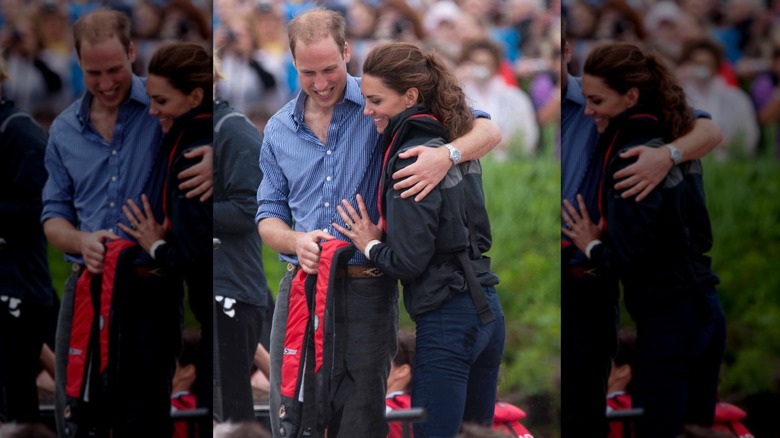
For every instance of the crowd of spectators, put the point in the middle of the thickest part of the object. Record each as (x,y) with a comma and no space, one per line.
(518,59)
(250,36)
(726,54)
(36,40)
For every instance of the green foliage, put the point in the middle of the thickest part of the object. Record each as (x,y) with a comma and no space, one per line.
(743,198)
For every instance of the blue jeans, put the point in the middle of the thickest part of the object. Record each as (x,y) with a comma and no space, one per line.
(679,352)
(456,365)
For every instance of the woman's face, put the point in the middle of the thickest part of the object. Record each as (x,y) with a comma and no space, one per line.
(167,103)
(382,103)
(603,103)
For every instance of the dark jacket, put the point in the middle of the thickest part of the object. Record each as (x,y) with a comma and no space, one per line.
(238,263)
(24,267)
(189,249)
(657,246)
(422,238)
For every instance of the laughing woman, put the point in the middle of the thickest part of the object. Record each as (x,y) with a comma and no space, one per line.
(435,246)
(179,85)
(655,247)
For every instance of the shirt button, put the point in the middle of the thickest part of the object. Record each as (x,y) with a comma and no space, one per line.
(325,230)
(329,152)
(327,179)
(327,204)
(110,204)
(113,152)
(113,178)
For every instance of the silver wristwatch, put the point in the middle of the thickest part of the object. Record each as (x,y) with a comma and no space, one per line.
(454,153)
(675,153)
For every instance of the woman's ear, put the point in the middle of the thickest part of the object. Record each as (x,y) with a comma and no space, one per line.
(632,96)
(411,96)
(196,97)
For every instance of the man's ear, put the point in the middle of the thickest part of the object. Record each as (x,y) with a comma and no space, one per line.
(131,52)
(347,53)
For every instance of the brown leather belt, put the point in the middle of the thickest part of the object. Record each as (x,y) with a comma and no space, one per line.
(353,271)
(363,272)
(583,272)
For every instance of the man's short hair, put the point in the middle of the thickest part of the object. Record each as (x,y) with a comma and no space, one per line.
(101,25)
(315,25)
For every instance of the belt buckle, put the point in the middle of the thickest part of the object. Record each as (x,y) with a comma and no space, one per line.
(373,272)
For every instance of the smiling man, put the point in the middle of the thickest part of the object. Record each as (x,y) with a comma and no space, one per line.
(100,153)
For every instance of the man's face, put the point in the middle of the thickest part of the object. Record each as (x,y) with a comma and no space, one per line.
(107,71)
(322,71)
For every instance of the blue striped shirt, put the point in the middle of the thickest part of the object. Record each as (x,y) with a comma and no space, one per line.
(579,172)
(304,180)
(89,178)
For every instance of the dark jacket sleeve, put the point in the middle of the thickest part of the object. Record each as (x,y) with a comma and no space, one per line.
(633,228)
(412,228)
(189,247)
(23,145)
(238,175)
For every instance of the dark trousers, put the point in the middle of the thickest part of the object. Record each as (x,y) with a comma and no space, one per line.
(238,327)
(589,324)
(372,327)
(22,333)
(679,352)
(456,365)
(137,400)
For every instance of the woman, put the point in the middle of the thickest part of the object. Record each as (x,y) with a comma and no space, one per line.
(434,246)
(656,247)
(179,86)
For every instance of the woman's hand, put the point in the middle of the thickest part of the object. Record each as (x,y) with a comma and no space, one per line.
(359,227)
(579,228)
(145,229)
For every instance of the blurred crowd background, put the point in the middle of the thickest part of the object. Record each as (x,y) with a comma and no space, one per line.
(506,52)
(726,54)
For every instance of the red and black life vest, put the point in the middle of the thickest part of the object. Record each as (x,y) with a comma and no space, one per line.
(315,381)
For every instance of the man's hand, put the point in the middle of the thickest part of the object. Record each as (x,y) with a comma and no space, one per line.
(93,250)
(307,249)
(642,177)
(198,180)
(423,175)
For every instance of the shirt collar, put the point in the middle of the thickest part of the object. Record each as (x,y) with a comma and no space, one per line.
(574,91)
(351,94)
(137,95)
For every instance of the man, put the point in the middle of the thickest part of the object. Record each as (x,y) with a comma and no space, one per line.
(589,300)
(26,292)
(101,153)
(320,149)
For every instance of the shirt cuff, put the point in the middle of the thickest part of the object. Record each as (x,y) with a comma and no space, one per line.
(154,247)
(370,245)
(590,246)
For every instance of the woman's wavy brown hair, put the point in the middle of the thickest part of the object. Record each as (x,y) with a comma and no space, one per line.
(401,66)
(623,66)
